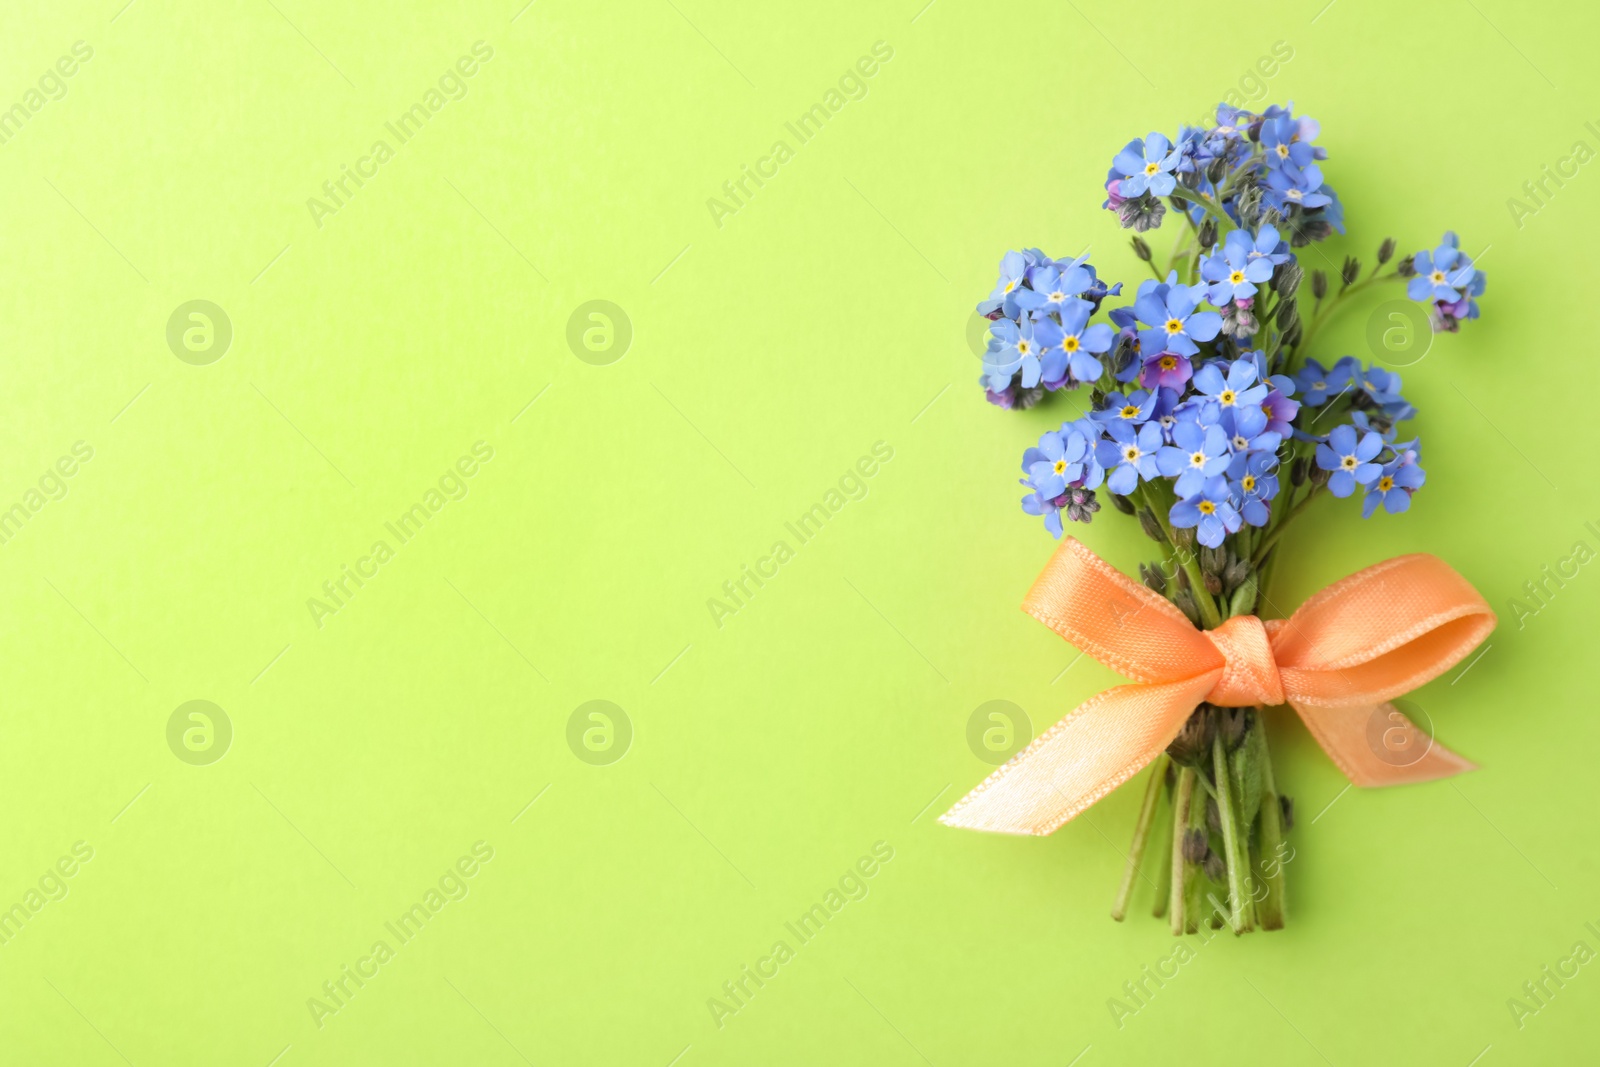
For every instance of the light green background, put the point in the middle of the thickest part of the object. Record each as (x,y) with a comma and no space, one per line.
(768,354)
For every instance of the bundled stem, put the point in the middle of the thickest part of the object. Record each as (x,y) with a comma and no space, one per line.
(1141,834)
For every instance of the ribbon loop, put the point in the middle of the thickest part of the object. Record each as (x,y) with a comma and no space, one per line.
(1249,673)
(1362,641)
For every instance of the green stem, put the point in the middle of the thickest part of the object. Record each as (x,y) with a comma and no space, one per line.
(1277,531)
(1194,875)
(1210,206)
(1141,834)
(1230,836)
(1182,802)
(1273,906)
(1324,313)
(1164,874)
(1189,560)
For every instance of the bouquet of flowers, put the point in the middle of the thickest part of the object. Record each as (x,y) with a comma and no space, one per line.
(1213,423)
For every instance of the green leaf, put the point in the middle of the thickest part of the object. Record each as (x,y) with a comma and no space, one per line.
(1246,773)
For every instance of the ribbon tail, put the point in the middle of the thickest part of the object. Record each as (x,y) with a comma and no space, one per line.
(1104,742)
(1374,744)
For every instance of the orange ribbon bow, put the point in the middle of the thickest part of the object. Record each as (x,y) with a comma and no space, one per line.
(1360,642)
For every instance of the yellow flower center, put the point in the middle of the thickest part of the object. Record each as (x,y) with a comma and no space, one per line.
(1069,343)
(1197,460)
(1294,194)
(1129,412)
(1207,507)
(1151,168)
(1010,286)
(1385,484)
(1348,463)
(1437,277)
(1248,481)
(1130,453)
(1024,346)
(1174,325)
(1057,297)
(1227,397)
(1235,277)
(1060,466)
(1283,151)
(1168,363)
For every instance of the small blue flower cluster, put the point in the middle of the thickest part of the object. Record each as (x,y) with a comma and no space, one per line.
(1041,335)
(1206,412)
(1446,281)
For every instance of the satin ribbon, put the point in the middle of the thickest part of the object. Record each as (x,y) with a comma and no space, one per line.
(1337,661)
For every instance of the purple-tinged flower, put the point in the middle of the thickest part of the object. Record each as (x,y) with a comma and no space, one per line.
(1279,409)
(1196,453)
(1168,370)
(1174,324)
(1130,455)
(1350,458)
(1394,485)
(1209,510)
(1147,165)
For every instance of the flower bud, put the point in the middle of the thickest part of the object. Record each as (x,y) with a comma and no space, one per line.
(1212,560)
(1236,723)
(1193,743)
(1183,580)
(1287,281)
(1350,271)
(1183,539)
(1287,806)
(1194,846)
(1122,504)
(1141,249)
(1319,284)
(1216,870)
(1208,233)
(1406,267)
(1213,816)
(1386,251)
(1288,314)
(1319,477)
(1185,602)
(1234,574)
(1151,526)
(1153,579)
(1213,584)
(1297,471)
(1217,170)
